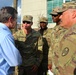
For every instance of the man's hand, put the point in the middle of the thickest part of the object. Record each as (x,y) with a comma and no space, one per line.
(50,67)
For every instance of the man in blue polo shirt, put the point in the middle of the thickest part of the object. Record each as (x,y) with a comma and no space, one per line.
(9,55)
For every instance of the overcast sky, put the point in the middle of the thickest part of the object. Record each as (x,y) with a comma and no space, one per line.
(10,3)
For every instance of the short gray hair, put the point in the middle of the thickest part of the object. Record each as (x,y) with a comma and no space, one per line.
(6,12)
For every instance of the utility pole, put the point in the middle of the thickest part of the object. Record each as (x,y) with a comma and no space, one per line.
(15,3)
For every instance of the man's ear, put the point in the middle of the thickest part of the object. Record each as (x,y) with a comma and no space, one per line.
(10,19)
(74,14)
(31,23)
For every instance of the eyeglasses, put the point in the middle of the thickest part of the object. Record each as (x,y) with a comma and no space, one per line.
(26,22)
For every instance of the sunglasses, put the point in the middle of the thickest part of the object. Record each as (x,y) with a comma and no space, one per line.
(42,22)
(26,22)
(55,15)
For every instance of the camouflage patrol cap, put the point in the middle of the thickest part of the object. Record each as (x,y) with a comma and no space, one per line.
(55,11)
(68,5)
(27,18)
(43,19)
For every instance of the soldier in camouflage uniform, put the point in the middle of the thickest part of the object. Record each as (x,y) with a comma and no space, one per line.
(55,15)
(56,34)
(29,42)
(65,55)
(45,32)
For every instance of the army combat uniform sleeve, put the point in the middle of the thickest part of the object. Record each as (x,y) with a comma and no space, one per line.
(67,58)
(40,51)
(50,56)
(16,36)
(50,50)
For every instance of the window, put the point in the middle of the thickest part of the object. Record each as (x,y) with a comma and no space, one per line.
(67,0)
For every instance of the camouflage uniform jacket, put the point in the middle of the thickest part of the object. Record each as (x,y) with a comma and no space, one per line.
(56,35)
(30,47)
(46,45)
(67,53)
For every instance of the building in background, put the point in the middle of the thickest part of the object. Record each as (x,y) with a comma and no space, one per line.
(38,8)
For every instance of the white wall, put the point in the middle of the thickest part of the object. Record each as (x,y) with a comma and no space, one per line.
(51,25)
(36,8)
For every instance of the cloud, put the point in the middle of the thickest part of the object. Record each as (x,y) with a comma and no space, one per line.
(19,11)
(10,3)
(19,14)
